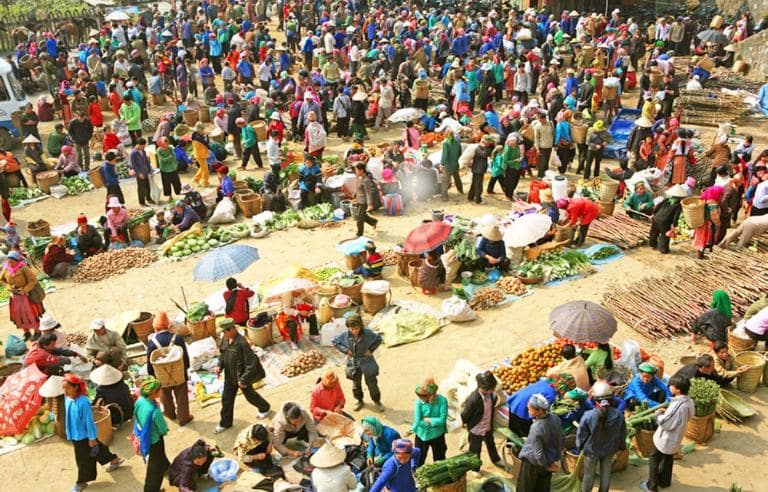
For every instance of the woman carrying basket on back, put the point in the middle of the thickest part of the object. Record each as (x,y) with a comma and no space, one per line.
(175,399)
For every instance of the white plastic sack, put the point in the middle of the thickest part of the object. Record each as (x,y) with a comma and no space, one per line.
(465,159)
(451,264)
(58,191)
(263,217)
(375,166)
(154,191)
(630,355)
(294,198)
(457,310)
(224,212)
(201,352)
(375,287)
(459,384)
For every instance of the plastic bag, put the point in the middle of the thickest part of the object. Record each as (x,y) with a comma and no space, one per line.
(224,212)
(294,198)
(223,470)
(58,191)
(154,190)
(451,265)
(466,157)
(630,355)
(14,346)
(201,352)
(457,310)
(375,287)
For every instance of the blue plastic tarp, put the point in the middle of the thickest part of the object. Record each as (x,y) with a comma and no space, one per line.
(620,130)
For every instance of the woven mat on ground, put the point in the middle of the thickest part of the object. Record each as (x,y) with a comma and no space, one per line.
(274,357)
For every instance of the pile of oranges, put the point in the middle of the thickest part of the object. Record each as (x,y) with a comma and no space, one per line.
(528,367)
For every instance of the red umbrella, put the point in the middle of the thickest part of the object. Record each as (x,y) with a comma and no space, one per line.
(20,400)
(427,237)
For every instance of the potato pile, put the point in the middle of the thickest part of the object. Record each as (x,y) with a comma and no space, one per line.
(303,363)
(528,367)
(113,262)
(486,298)
(389,257)
(511,285)
(77,338)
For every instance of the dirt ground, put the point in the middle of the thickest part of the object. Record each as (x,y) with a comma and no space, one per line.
(497,333)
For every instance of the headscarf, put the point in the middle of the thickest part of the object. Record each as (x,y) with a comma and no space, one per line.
(722,303)
(428,387)
(714,193)
(76,381)
(373,424)
(329,379)
(402,446)
(562,383)
(149,385)
(539,402)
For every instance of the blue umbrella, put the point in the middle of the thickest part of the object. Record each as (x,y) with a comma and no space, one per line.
(224,262)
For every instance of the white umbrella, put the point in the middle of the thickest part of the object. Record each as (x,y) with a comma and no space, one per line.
(526,230)
(406,114)
(289,285)
(117,16)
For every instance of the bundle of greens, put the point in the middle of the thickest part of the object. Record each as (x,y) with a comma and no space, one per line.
(561,264)
(705,395)
(325,273)
(321,211)
(447,471)
(530,269)
(644,418)
(605,252)
(18,195)
(289,170)
(255,185)
(76,185)
(35,246)
(197,311)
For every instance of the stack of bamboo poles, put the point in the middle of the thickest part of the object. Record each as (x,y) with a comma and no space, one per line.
(663,307)
(710,108)
(734,82)
(620,229)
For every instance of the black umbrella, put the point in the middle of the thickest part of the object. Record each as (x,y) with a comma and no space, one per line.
(713,36)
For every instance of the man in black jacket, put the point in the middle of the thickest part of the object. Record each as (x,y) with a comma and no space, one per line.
(241,369)
(235,112)
(704,367)
(477,416)
(80,131)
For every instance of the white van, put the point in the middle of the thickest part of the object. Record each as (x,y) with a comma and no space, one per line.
(12,99)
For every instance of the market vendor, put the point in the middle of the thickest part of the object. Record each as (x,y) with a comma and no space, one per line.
(397,472)
(373,264)
(50,325)
(725,363)
(491,250)
(117,219)
(298,306)
(293,422)
(757,325)
(89,240)
(646,387)
(599,359)
(640,203)
(194,200)
(236,305)
(56,260)
(379,438)
(11,237)
(48,358)
(190,465)
(111,389)
(572,364)
(327,396)
(226,187)
(67,165)
(519,419)
(106,346)
(704,367)
(253,448)
(184,216)
(581,211)
(714,323)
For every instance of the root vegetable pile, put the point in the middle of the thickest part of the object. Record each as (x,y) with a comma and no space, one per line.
(511,285)
(663,307)
(486,298)
(113,262)
(389,257)
(528,367)
(303,363)
(77,338)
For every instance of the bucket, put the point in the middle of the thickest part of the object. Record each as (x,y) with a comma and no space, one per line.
(608,189)
(738,344)
(693,211)
(421,89)
(606,208)
(39,228)
(346,206)
(202,329)
(94,176)
(438,215)
(261,130)
(373,303)
(169,374)
(46,179)
(656,79)
(261,335)
(579,133)
(559,188)
(203,114)
(103,421)
(190,117)
(749,381)
(700,429)
(141,232)
(353,291)
(250,204)
(142,326)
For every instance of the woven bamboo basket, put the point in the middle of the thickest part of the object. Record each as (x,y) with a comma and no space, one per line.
(643,442)
(95,177)
(168,373)
(40,228)
(142,326)
(413,272)
(569,457)
(354,292)
(103,420)
(141,232)
(749,381)
(693,211)
(700,429)
(565,233)
(203,114)
(610,92)
(738,344)
(373,303)
(608,189)
(656,79)
(46,179)
(421,89)
(606,208)
(579,133)
(459,485)
(202,329)
(353,261)
(250,204)
(403,262)
(339,312)
(190,117)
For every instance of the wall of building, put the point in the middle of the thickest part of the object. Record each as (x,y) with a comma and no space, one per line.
(754,50)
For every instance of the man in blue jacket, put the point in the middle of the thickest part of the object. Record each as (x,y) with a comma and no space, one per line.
(110,177)
(646,387)
(397,472)
(358,344)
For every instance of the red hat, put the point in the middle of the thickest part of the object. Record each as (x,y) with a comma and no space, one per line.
(82,219)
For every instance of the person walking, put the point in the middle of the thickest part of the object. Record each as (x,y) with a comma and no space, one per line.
(477,414)
(543,140)
(669,434)
(364,199)
(597,138)
(169,168)
(342,107)
(148,418)
(174,398)
(430,413)
(80,131)
(241,369)
(142,169)
(449,161)
(130,113)
(359,344)
(249,143)
(543,450)
(600,435)
(109,175)
(81,430)
(479,167)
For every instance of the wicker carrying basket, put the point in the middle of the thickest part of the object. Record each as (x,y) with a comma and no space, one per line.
(700,429)
(606,208)
(168,373)
(643,442)
(250,204)
(608,189)
(565,233)
(579,133)
(353,291)
(190,117)
(373,303)
(339,312)
(738,344)
(142,326)
(693,211)
(204,328)
(750,380)
(459,485)
(413,272)
(141,232)
(39,228)
(103,420)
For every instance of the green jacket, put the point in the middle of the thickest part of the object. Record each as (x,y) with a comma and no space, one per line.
(55,142)
(635,202)
(451,153)
(166,160)
(498,72)
(473,82)
(131,114)
(497,166)
(511,157)
(248,136)
(141,411)
(437,412)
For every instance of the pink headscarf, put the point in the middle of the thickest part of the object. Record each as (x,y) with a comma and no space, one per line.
(714,193)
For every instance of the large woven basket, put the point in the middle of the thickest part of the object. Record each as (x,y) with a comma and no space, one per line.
(608,189)
(353,291)
(738,344)
(700,429)
(606,208)
(750,380)
(103,421)
(693,211)
(202,329)
(579,133)
(643,442)
(459,485)
(168,373)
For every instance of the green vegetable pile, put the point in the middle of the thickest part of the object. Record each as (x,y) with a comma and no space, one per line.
(321,211)
(333,160)
(705,395)
(140,217)
(285,220)
(255,185)
(76,185)
(190,245)
(325,273)
(460,293)
(197,311)
(288,170)
(18,195)
(605,252)
(446,471)
(530,269)
(350,280)
(561,264)
(479,277)
(644,418)
(35,246)
(123,170)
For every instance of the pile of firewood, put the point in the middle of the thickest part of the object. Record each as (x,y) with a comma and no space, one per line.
(710,108)
(621,230)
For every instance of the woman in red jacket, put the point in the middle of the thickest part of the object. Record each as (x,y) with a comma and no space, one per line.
(327,396)
(582,211)
(94,112)
(236,299)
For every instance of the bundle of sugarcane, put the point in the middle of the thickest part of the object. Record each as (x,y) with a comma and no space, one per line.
(733,82)
(446,471)
(710,108)
(666,306)
(620,229)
